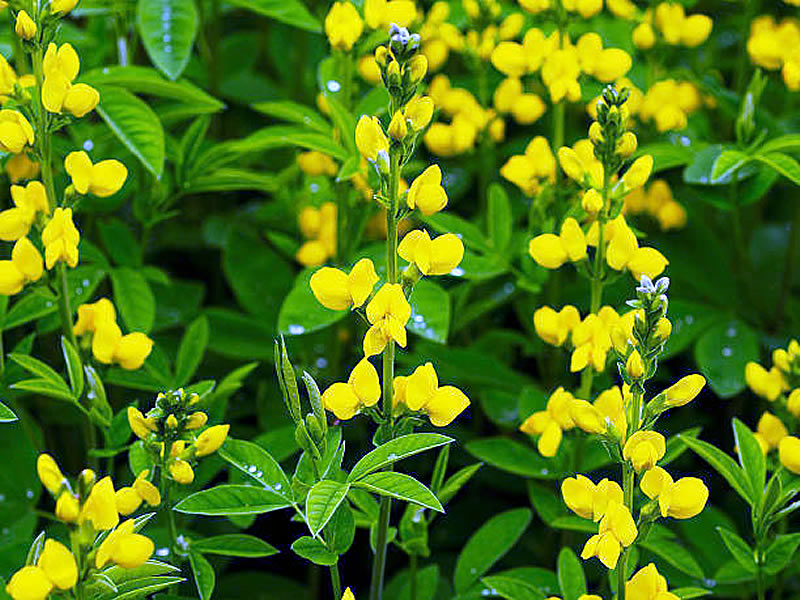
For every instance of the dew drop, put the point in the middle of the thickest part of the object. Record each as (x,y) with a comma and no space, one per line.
(88,145)
(457,272)
(334,86)
(727,351)
(321,362)
(296,329)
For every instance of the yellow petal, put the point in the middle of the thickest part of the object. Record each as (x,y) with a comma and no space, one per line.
(132,350)
(100,507)
(128,500)
(365,383)
(447,403)
(107,178)
(29,583)
(27,260)
(81,99)
(421,387)
(11,279)
(79,167)
(447,252)
(133,551)
(341,400)
(105,341)
(211,440)
(361,281)
(330,288)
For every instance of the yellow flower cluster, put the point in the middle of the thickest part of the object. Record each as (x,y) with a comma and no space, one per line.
(776,46)
(668,103)
(658,202)
(676,28)
(533,169)
(59,93)
(97,324)
(55,568)
(318,225)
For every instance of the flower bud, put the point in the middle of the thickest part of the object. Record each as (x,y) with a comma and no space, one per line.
(684,391)
(397,127)
(67,508)
(596,132)
(172,421)
(644,37)
(793,402)
(418,68)
(663,328)
(49,473)
(181,471)
(592,201)
(196,420)
(211,440)
(638,173)
(634,367)
(419,112)
(789,453)
(571,164)
(25,27)
(627,144)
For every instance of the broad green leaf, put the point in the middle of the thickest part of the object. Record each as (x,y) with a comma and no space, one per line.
(291,12)
(726,165)
(46,388)
(512,588)
(722,353)
(430,311)
(257,463)
(570,575)
(295,112)
(168,29)
(229,179)
(341,529)
(400,486)
(96,394)
(204,577)
(302,313)
(134,299)
(314,550)
(238,335)
(74,366)
(512,456)
(142,587)
(500,218)
(739,549)
(780,552)
(782,163)
(37,367)
(687,593)
(783,143)
(6,414)
(722,464)
(701,169)
(667,155)
(488,545)
(675,554)
(234,544)
(394,450)
(751,458)
(322,501)
(232,500)
(135,124)
(399,587)
(145,80)
(191,351)
(119,242)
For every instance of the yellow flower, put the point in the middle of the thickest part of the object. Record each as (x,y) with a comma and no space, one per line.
(634,365)
(24,267)
(789,453)
(432,257)
(363,388)
(25,27)
(110,346)
(371,141)
(398,128)
(343,25)
(643,36)
(767,384)
(589,500)
(348,595)
(550,423)
(380,13)
(181,471)
(587,417)
(560,73)
(510,59)
(530,170)
(592,341)
(100,508)
(696,30)
(617,530)
(61,66)
(682,499)
(103,179)
(15,131)
(60,238)
(624,253)
(426,192)
(684,390)
(441,404)
(611,405)
(58,565)
(196,420)
(19,167)
(62,6)
(644,449)
(29,583)
(419,112)
(317,163)
(638,173)
(49,473)
(28,202)
(770,431)
(388,312)
(67,507)
(554,327)
(648,584)
(211,440)
(339,291)
(551,251)
(139,424)
(793,402)
(130,498)
(125,548)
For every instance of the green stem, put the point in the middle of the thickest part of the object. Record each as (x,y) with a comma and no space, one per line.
(379,560)
(412,577)
(336,582)
(166,499)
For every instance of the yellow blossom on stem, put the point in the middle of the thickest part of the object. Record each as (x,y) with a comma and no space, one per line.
(644,449)
(336,290)
(684,390)
(388,312)
(550,423)
(617,530)
(343,25)
(363,388)
(554,327)
(371,140)
(423,393)
(181,471)
(25,27)
(682,499)
(789,453)
(589,500)
(438,256)
(25,266)
(130,498)
(29,201)
(767,384)
(102,179)
(770,431)
(49,473)
(648,584)
(125,548)
(15,131)
(100,508)
(211,440)
(426,192)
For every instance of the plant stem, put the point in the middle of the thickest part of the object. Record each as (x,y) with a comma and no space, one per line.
(166,500)
(379,560)
(412,577)
(336,581)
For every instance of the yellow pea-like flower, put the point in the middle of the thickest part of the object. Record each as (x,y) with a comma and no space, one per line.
(634,365)
(793,402)
(49,473)
(363,388)
(92,315)
(380,13)
(617,530)
(398,128)
(528,108)
(67,507)
(388,312)
(789,453)
(432,257)
(25,27)
(125,548)
(423,393)
(648,584)
(550,423)
(638,173)
(587,417)
(573,240)
(343,25)
(339,291)
(771,430)
(684,390)
(767,384)
(370,139)
(102,179)
(548,251)
(62,6)
(181,471)
(589,500)
(314,163)
(510,59)
(426,192)
(61,66)
(132,350)
(506,94)
(130,498)
(211,440)
(644,37)
(29,200)
(24,267)
(100,508)
(419,112)
(58,564)
(15,131)
(139,424)
(592,201)
(554,327)
(695,30)
(611,405)
(19,167)
(682,499)
(29,583)
(571,164)
(61,238)
(196,420)
(612,64)
(644,449)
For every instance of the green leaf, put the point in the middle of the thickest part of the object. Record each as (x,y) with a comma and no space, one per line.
(302,313)
(294,112)
(675,554)
(37,367)
(782,163)
(234,544)
(239,336)
(727,164)
(322,501)
(229,179)
(512,588)
(570,575)
(341,529)
(291,12)
(500,218)
(122,246)
(97,396)
(667,155)
(780,552)
(191,351)
(512,456)
(430,311)
(232,500)
(687,593)
(449,223)
(783,143)
(722,464)
(751,459)
(6,414)
(74,366)
(722,353)
(134,298)
(394,450)
(400,486)
(135,124)
(488,545)
(314,550)
(204,577)
(257,463)
(168,29)
(739,549)
(458,480)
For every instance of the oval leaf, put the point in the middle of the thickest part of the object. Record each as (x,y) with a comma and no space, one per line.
(168,29)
